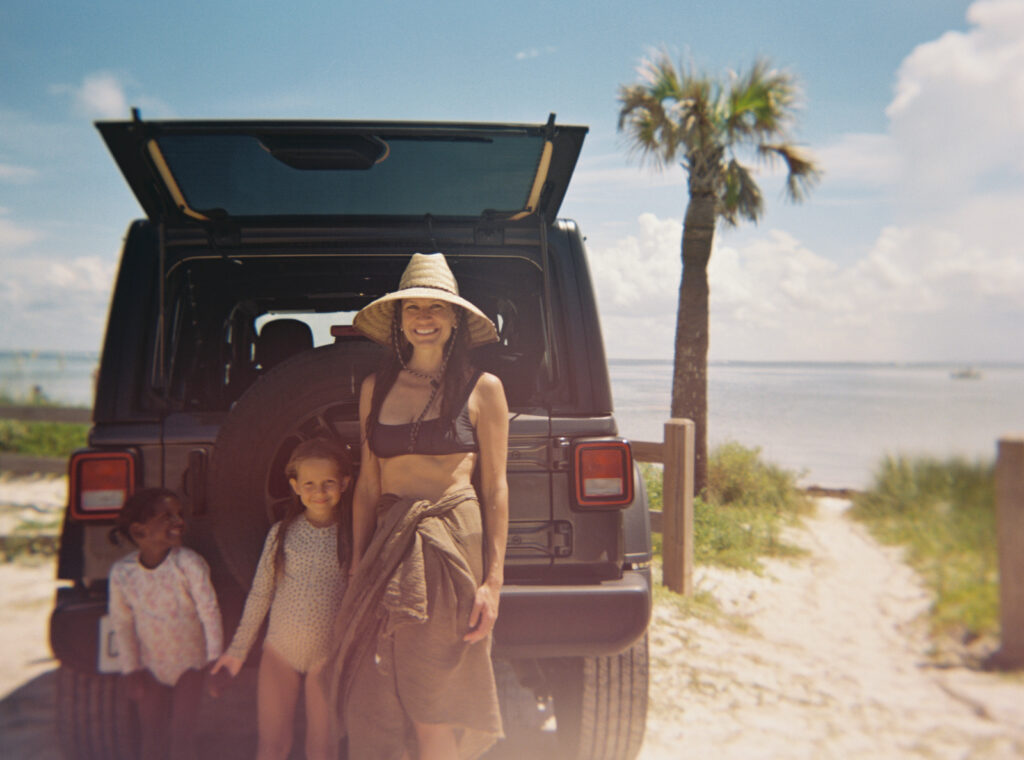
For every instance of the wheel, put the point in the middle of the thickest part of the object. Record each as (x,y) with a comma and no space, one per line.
(312,394)
(95,720)
(601,704)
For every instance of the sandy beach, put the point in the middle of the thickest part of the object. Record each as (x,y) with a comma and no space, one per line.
(821,657)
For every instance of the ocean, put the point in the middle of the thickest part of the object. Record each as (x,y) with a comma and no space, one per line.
(831,423)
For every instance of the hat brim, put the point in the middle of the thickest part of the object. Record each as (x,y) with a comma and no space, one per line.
(374,319)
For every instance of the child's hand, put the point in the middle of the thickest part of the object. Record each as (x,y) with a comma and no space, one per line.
(225,669)
(228,662)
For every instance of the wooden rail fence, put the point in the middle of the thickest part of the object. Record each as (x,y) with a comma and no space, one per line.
(675,521)
(1010,544)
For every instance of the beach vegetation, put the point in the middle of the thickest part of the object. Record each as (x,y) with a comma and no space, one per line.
(677,115)
(744,511)
(943,513)
(44,439)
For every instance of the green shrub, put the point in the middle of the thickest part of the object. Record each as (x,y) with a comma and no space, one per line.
(742,514)
(53,439)
(943,512)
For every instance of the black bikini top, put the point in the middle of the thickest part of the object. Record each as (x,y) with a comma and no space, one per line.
(433,437)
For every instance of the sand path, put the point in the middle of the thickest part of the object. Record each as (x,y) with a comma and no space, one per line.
(830,660)
(834,665)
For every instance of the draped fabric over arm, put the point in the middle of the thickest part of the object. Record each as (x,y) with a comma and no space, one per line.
(397,650)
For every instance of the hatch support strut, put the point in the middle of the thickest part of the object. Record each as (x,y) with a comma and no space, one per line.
(549,330)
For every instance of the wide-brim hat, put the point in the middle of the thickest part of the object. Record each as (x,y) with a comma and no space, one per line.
(426,276)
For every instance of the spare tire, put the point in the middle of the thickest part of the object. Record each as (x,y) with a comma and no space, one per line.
(315,393)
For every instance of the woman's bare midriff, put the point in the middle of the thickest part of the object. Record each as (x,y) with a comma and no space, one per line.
(424,476)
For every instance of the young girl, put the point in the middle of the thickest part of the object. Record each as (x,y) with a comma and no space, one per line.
(165,616)
(300,578)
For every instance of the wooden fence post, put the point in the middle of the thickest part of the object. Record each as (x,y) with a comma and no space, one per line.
(677,494)
(1010,541)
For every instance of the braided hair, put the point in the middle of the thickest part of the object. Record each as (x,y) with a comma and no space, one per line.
(455,372)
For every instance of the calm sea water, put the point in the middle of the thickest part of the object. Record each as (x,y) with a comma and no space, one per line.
(830,422)
(833,423)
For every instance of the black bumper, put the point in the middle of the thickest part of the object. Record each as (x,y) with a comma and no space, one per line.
(573,621)
(591,620)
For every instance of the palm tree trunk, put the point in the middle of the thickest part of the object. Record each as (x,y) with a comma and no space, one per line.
(690,373)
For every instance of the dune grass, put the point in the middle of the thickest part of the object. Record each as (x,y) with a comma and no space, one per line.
(45,439)
(741,516)
(943,512)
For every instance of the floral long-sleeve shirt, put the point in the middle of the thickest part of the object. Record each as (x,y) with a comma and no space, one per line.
(166,618)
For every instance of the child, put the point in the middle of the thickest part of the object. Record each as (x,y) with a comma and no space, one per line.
(300,578)
(164,612)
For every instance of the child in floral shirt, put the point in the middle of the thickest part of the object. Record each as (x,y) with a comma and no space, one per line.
(164,612)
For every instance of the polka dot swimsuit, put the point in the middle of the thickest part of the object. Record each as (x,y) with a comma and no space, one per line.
(302,600)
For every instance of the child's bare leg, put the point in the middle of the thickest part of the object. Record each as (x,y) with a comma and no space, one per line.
(436,741)
(319,744)
(153,705)
(276,693)
(184,710)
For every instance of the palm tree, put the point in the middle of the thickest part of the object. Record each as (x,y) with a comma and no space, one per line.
(678,114)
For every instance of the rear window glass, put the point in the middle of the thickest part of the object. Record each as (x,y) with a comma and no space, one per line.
(229,324)
(242,175)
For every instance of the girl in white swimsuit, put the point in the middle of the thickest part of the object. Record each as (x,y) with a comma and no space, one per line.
(300,579)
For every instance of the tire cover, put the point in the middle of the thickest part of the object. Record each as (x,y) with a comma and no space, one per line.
(312,394)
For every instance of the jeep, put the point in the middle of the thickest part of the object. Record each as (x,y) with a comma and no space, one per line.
(230,340)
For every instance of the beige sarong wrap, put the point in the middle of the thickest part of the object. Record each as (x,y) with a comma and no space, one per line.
(397,653)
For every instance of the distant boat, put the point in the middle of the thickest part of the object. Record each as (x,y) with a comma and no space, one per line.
(965,373)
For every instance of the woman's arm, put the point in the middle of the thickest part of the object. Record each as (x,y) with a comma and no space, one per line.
(368,488)
(492,435)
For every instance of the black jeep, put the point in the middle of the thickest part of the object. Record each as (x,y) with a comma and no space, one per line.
(229,341)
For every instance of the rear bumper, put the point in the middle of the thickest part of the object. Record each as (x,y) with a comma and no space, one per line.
(573,621)
(590,620)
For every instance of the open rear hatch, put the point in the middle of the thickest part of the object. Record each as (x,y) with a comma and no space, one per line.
(327,173)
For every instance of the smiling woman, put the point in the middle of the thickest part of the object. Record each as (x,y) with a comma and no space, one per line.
(413,636)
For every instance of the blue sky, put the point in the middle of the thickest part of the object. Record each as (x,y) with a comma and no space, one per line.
(914,108)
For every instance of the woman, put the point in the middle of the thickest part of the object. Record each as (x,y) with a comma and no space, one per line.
(411,672)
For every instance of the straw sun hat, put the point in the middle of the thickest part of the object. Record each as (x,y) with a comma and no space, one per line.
(426,276)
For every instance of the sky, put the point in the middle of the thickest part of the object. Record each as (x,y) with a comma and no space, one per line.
(907,250)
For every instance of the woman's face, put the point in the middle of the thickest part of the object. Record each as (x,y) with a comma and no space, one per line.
(427,321)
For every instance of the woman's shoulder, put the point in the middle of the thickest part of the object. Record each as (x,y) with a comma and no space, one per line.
(489,387)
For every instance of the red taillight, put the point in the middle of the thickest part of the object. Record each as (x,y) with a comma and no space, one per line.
(603,473)
(100,483)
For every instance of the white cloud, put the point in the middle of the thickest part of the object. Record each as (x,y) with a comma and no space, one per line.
(524,55)
(14,235)
(920,293)
(957,115)
(956,119)
(10,173)
(54,304)
(870,160)
(106,95)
